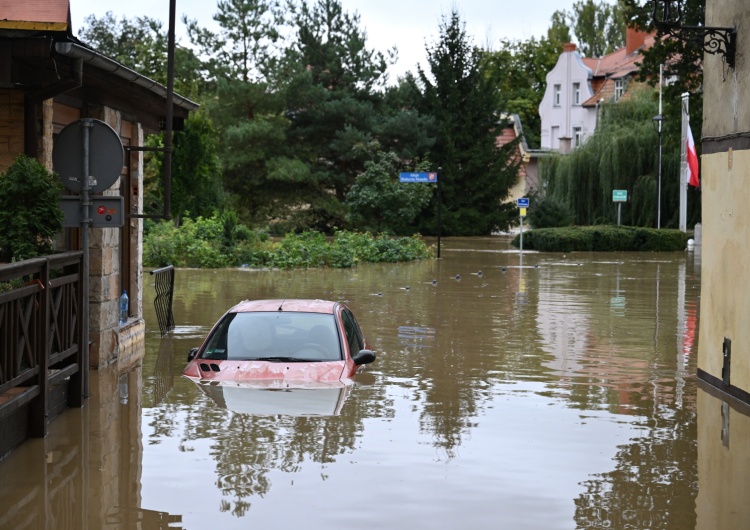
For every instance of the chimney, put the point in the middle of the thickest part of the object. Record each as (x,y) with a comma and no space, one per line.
(634,39)
(569,47)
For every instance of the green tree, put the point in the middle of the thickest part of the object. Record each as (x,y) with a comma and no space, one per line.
(378,202)
(682,64)
(333,107)
(245,47)
(29,210)
(621,154)
(462,98)
(197,188)
(521,68)
(598,26)
(141,44)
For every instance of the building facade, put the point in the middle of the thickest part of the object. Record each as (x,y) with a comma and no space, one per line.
(724,343)
(49,79)
(577,86)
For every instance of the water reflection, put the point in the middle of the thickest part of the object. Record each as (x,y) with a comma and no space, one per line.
(549,391)
(262,400)
(723,454)
(87,472)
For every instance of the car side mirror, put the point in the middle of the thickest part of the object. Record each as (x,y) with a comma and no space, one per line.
(363,357)
(192,353)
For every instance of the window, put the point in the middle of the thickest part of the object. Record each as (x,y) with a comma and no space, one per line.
(576,93)
(353,333)
(279,335)
(557,89)
(619,89)
(577,136)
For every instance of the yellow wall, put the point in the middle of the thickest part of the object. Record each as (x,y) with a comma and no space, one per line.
(723,453)
(725,264)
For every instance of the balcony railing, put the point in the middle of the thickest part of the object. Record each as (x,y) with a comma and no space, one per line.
(41,303)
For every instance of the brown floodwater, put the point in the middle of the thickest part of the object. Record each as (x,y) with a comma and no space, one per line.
(533,391)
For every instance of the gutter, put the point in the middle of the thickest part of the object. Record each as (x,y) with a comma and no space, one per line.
(74,51)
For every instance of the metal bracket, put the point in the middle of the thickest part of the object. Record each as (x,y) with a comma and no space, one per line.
(713,40)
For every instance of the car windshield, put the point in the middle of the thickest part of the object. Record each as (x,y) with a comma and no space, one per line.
(275,336)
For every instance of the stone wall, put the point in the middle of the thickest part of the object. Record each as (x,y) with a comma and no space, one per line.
(11,126)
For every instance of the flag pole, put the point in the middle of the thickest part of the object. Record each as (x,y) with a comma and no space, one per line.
(683,161)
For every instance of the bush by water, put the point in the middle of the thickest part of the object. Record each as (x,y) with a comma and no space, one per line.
(220,241)
(603,238)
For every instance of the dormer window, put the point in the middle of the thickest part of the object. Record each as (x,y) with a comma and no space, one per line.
(557,95)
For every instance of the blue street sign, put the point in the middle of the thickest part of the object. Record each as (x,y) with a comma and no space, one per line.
(418,177)
(522,203)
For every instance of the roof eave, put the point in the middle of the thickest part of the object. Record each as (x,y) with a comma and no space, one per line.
(74,51)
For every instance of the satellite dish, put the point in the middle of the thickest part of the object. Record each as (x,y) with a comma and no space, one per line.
(106,155)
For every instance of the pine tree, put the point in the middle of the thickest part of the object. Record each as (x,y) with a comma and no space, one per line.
(462,98)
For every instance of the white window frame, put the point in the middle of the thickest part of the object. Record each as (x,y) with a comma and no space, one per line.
(619,89)
(577,136)
(556,95)
(576,93)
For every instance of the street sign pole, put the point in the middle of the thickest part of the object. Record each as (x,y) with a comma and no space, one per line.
(522,204)
(429,178)
(440,211)
(619,196)
(86,125)
(88,156)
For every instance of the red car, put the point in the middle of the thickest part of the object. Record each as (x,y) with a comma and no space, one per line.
(286,340)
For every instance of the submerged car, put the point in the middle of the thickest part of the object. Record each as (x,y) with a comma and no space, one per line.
(282,340)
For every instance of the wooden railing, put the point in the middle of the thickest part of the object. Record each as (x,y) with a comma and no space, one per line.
(41,303)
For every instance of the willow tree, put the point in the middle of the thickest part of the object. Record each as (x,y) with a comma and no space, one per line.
(621,155)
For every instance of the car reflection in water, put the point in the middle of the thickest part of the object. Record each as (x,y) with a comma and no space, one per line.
(261,399)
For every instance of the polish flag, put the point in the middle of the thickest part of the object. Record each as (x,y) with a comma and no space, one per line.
(692,160)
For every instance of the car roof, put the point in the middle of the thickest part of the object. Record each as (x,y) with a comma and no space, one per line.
(292,305)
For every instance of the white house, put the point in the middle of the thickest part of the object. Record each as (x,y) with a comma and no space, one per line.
(577,86)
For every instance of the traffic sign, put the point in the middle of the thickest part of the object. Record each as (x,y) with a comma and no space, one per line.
(619,195)
(418,177)
(522,202)
(105,156)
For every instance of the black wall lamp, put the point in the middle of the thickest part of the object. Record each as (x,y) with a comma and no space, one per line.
(716,41)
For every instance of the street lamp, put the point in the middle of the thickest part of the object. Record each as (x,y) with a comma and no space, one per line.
(657,125)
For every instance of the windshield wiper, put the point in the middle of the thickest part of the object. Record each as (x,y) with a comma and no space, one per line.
(282,359)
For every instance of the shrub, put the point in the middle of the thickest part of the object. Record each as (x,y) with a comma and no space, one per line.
(30,211)
(199,244)
(603,239)
(549,212)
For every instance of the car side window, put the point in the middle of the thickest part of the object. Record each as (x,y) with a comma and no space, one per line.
(353,333)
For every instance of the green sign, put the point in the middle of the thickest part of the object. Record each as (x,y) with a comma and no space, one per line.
(620,195)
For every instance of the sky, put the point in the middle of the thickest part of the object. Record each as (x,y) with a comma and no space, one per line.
(406,24)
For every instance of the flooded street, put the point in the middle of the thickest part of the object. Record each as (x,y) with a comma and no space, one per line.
(534,391)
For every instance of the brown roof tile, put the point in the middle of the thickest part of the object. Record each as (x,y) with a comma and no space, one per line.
(49,15)
(618,63)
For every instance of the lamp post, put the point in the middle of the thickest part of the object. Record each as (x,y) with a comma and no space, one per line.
(657,125)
